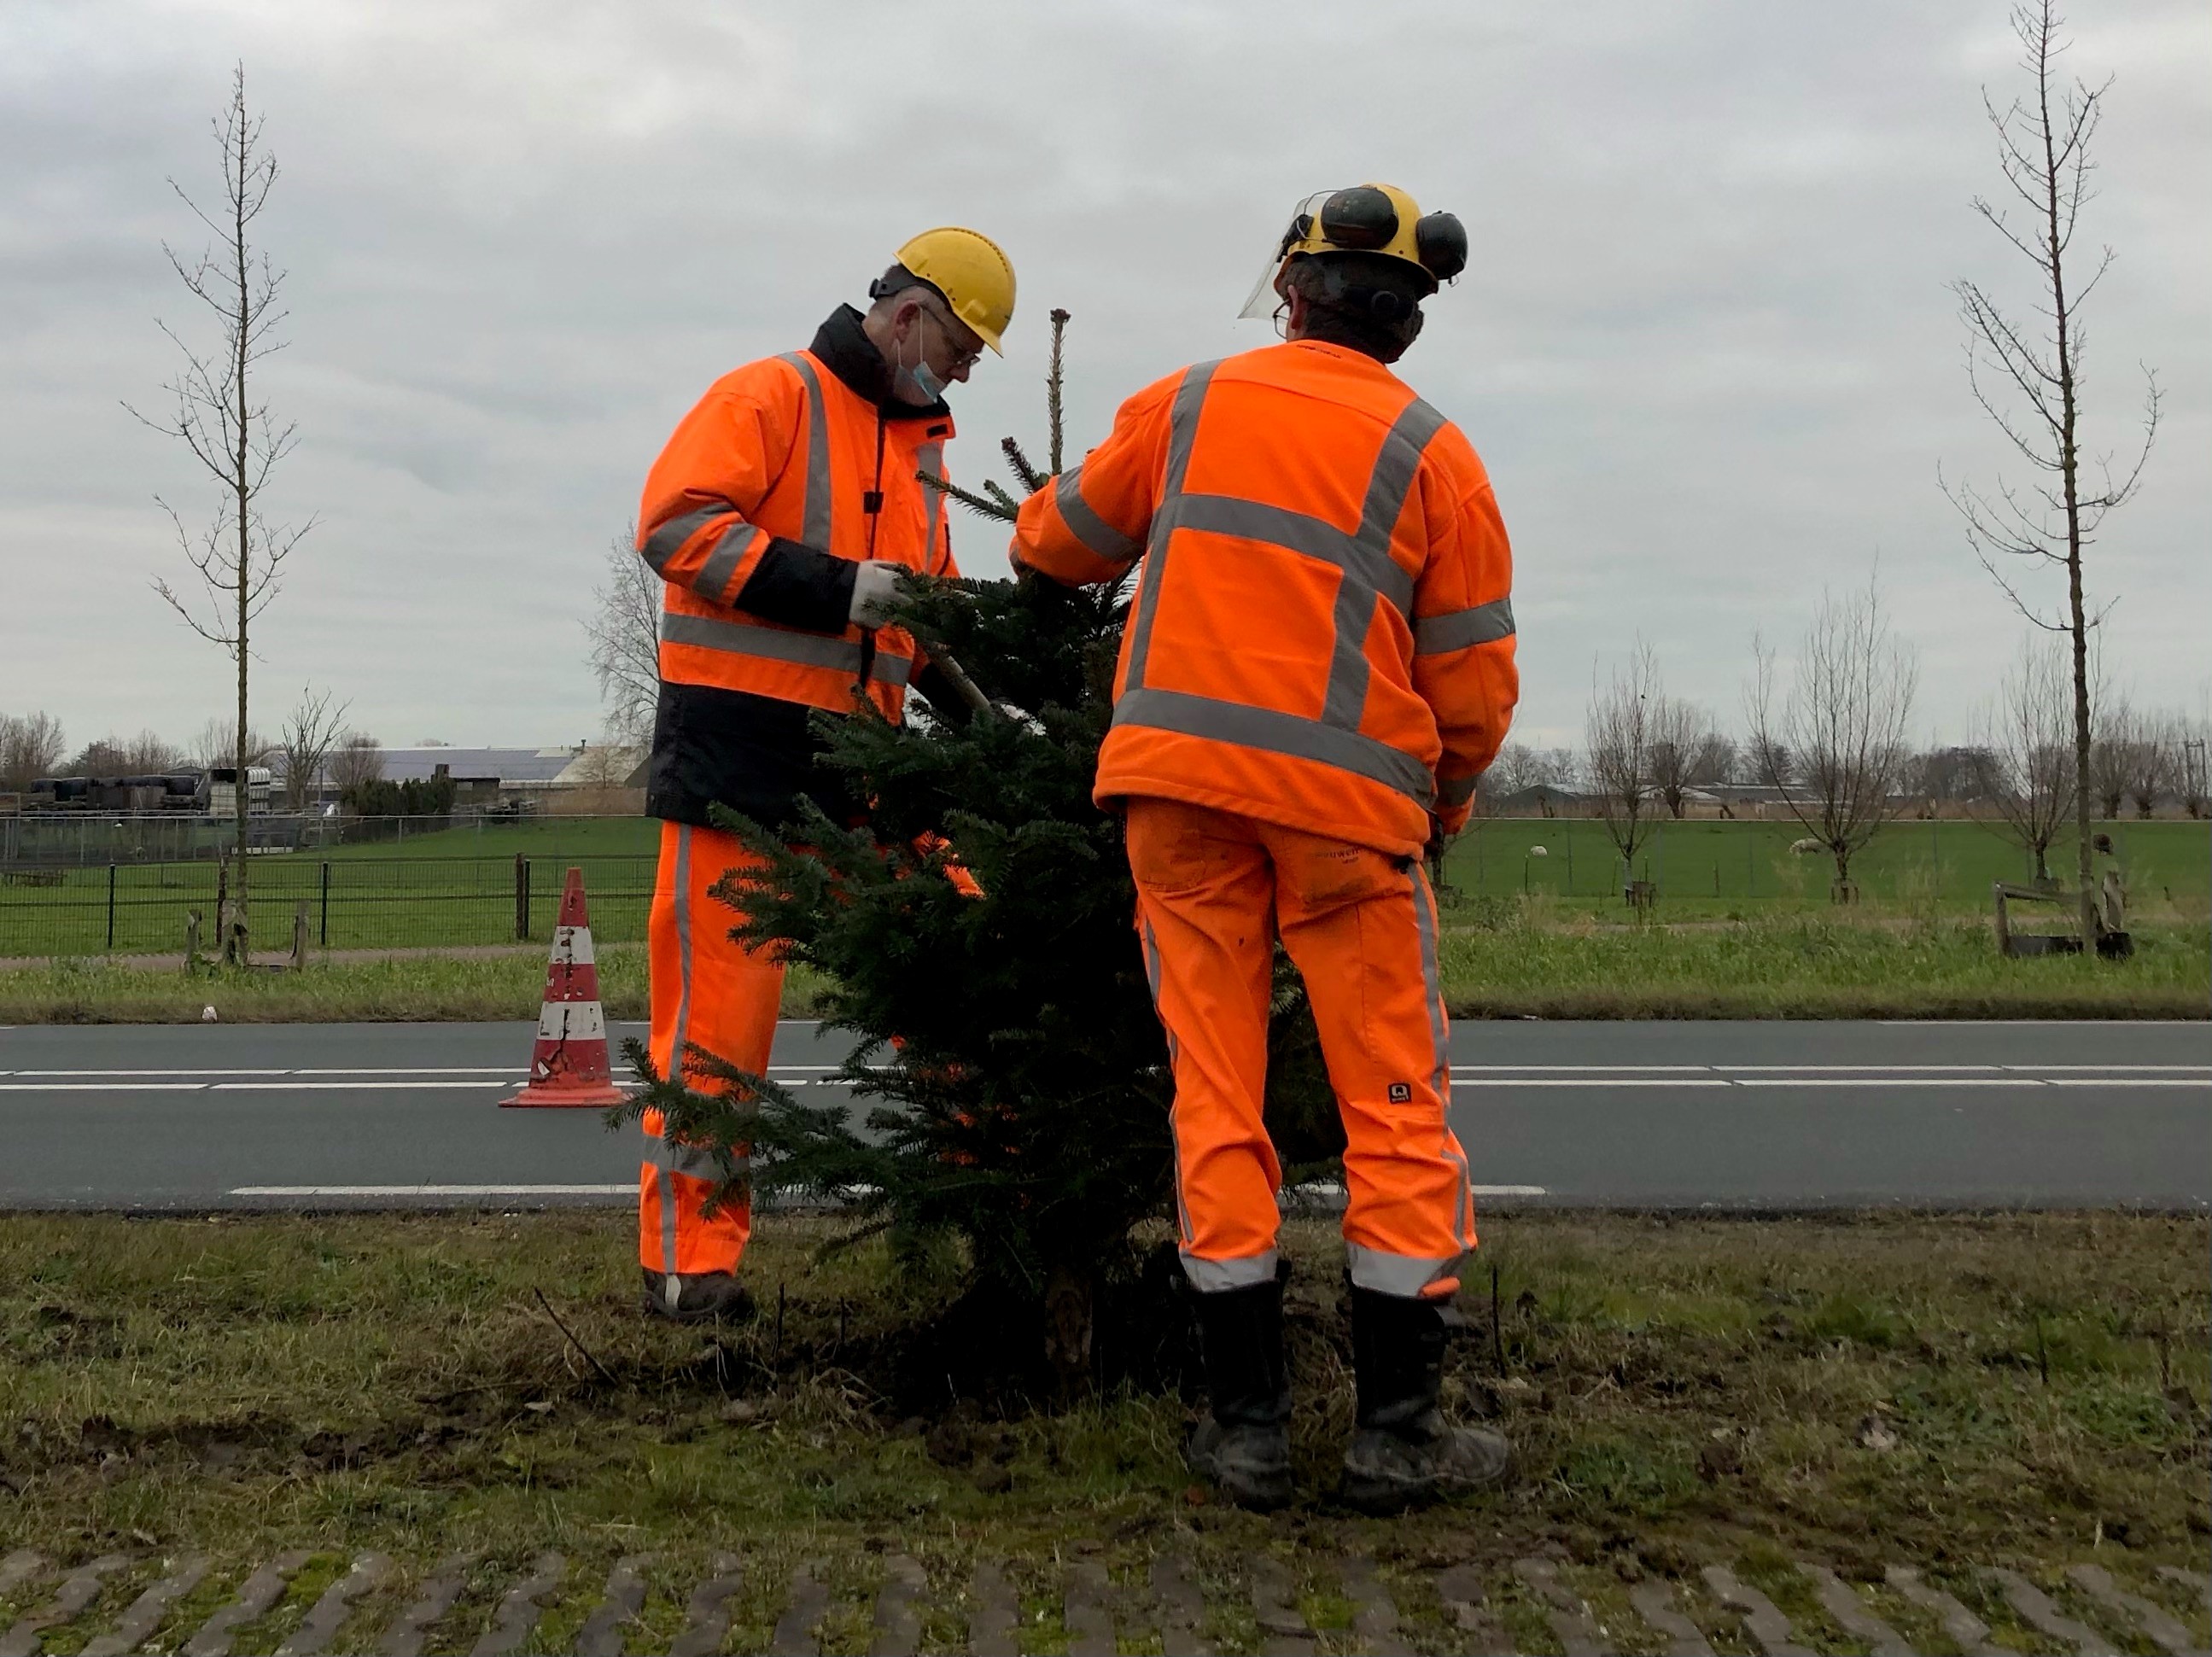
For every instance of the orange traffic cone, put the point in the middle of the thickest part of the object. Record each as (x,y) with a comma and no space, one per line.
(569,1065)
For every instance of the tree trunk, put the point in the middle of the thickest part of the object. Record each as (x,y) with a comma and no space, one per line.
(237,940)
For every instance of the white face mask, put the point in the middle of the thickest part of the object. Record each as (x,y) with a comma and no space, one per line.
(919,379)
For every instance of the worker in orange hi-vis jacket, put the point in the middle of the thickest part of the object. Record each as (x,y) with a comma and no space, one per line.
(1318,664)
(782,516)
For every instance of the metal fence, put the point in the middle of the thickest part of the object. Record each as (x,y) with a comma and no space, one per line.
(91,839)
(349,902)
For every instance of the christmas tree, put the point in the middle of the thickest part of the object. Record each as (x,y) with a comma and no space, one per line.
(977,938)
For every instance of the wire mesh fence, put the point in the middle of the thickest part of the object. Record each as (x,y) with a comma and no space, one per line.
(349,903)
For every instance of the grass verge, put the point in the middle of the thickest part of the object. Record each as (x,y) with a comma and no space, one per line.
(1855,1389)
(1501,959)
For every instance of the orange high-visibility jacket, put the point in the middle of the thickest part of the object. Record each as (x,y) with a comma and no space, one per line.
(787,472)
(1322,635)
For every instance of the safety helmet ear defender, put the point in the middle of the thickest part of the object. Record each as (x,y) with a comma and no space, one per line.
(969,271)
(1368,218)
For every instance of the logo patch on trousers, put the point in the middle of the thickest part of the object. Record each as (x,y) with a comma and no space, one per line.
(1402,1093)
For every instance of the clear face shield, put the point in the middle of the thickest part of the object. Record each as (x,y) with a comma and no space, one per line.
(1260,303)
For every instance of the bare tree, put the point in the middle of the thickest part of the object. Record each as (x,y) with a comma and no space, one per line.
(2028,377)
(1685,752)
(2194,765)
(31,747)
(2029,773)
(310,731)
(1619,738)
(357,759)
(624,630)
(218,416)
(1841,724)
(217,746)
(2152,761)
(2112,754)
(1713,758)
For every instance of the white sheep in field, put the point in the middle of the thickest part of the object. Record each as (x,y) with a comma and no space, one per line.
(1807,847)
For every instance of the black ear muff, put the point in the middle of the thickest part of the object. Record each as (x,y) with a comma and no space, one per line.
(1440,240)
(1389,306)
(1359,218)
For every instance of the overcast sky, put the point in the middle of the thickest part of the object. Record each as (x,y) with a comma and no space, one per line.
(1704,345)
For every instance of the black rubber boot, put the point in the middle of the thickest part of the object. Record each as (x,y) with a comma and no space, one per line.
(1243,1444)
(1402,1453)
(701,1297)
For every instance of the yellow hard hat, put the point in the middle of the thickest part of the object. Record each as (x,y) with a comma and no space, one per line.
(972,271)
(1367,218)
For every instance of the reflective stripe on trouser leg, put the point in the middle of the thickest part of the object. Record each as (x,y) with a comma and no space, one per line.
(1203,892)
(1362,927)
(709,992)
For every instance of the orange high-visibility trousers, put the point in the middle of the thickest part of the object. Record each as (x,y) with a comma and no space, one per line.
(710,993)
(1213,888)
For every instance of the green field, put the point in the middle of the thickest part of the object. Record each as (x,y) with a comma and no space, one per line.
(457,887)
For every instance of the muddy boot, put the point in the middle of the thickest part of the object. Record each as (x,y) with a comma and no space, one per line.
(1402,1452)
(701,1297)
(1243,1444)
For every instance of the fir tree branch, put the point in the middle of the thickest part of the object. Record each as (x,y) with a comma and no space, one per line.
(1003,508)
(1052,389)
(1028,476)
(1007,505)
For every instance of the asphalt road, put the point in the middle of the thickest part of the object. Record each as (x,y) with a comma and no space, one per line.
(1731,1115)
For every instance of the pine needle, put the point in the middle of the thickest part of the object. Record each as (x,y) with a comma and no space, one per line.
(1003,508)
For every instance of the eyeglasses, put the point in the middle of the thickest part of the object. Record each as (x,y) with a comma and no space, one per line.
(961,358)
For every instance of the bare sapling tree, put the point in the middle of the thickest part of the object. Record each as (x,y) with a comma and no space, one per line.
(2026,376)
(310,731)
(222,416)
(1683,752)
(623,627)
(218,746)
(2194,764)
(2024,746)
(2152,761)
(1839,725)
(1620,733)
(2112,754)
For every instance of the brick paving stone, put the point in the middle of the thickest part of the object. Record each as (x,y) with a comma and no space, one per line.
(2164,1630)
(432,1600)
(1965,1629)
(707,1612)
(1375,1616)
(1465,1602)
(320,1625)
(1086,1610)
(520,1607)
(19,1568)
(255,1595)
(997,1619)
(76,1593)
(1178,1607)
(1655,1603)
(1841,1601)
(2038,1611)
(897,1618)
(621,1600)
(807,1604)
(1563,1608)
(1275,1608)
(1762,1618)
(136,1624)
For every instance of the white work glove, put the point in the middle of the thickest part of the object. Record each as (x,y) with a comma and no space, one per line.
(875,592)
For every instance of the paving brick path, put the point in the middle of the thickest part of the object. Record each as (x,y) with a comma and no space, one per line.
(887,1603)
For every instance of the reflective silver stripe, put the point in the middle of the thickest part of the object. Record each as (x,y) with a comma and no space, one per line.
(1433,988)
(1297,531)
(1396,465)
(930,458)
(1457,791)
(665,543)
(778,645)
(1151,950)
(1274,732)
(1183,431)
(815,523)
(1086,525)
(1456,629)
(1402,1275)
(1214,1277)
(718,575)
(696,1162)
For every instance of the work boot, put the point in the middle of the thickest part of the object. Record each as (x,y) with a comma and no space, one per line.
(701,1297)
(1243,1444)
(1402,1452)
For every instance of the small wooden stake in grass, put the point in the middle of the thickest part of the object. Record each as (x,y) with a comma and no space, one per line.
(605,1374)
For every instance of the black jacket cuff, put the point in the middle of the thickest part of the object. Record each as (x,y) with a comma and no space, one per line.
(800,586)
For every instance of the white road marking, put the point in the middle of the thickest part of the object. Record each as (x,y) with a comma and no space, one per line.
(1592,1081)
